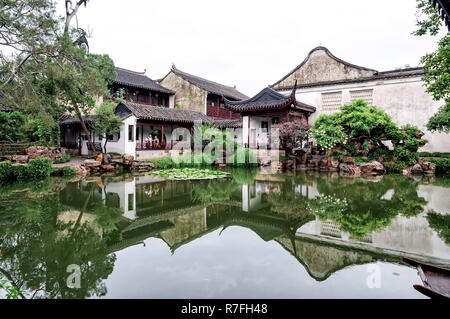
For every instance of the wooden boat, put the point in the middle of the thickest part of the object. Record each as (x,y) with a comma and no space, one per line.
(436,280)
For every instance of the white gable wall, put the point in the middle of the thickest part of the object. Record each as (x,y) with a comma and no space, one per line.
(405,100)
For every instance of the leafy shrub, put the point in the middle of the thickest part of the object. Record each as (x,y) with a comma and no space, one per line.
(39,168)
(21,172)
(442,165)
(65,171)
(11,126)
(360,130)
(6,171)
(434,154)
(63,160)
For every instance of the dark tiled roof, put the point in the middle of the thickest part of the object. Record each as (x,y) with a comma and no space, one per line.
(267,99)
(228,124)
(70,119)
(210,86)
(379,76)
(163,114)
(139,80)
(444,10)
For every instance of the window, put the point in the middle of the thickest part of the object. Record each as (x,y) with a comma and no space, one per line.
(331,102)
(275,120)
(130,201)
(131,133)
(366,95)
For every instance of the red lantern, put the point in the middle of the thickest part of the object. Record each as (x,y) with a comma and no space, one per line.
(221,98)
(137,92)
(156,94)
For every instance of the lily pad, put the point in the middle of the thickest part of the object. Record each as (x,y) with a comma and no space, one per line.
(189,174)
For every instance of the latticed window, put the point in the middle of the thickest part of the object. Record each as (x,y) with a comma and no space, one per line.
(331,229)
(366,95)
(331,102)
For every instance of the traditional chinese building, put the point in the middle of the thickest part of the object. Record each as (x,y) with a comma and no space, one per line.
(327,82)
(201,95)
(265,109)
(139,88)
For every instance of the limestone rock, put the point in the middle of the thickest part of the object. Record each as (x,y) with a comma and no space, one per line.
(91,163)
(21,159)
(429,168)
(417,170)
(349,160)
(372,168)
(127,157)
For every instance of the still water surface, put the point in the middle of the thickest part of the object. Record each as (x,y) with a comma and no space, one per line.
(255,235)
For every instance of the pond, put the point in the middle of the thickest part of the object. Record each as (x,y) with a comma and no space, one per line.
(253,234)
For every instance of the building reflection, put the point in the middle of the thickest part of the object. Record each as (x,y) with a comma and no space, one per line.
(277,208)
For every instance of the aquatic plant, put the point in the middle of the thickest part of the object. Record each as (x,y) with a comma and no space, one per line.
(189,174)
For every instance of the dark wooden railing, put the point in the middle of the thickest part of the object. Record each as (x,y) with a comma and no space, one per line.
(221,113)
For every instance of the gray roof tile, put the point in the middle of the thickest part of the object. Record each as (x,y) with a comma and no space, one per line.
(210,86)
(139,80)
(163,114)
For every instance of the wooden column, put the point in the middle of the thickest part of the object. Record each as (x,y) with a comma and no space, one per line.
(162,134)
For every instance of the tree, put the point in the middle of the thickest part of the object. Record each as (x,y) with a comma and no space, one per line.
(436,64)
(361,130)
(107,122)
(48,70)
(293,134)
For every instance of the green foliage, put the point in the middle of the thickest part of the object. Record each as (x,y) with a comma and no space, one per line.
(11,291)
(434,154)
(42,127)
(436,64)
(243,176)
(359,206)
(441,120)
(107,121)
(428,19)
(441,224)
(67,158)
(189,174)
(11,126)
(442,165)
(7,171)
(38,168)
(65,171)
(162,163)
(358,130)
(47,72)
(326,133)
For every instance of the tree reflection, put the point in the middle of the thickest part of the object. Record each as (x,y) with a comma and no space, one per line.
(40,236)
(441,224)
(362,206)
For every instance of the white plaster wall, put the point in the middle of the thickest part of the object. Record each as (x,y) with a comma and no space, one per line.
(123,146)
(124,189)
(245,132)
(405,100)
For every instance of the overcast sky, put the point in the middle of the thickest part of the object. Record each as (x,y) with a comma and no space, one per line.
(251,44)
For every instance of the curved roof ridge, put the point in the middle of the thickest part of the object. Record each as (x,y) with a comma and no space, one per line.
(131,71)
(208,85)
(330,55)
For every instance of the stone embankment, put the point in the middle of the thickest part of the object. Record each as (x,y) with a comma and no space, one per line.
(33,152)
(105,163)
(348,165)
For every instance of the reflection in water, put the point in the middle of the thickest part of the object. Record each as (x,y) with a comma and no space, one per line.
(324,221)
